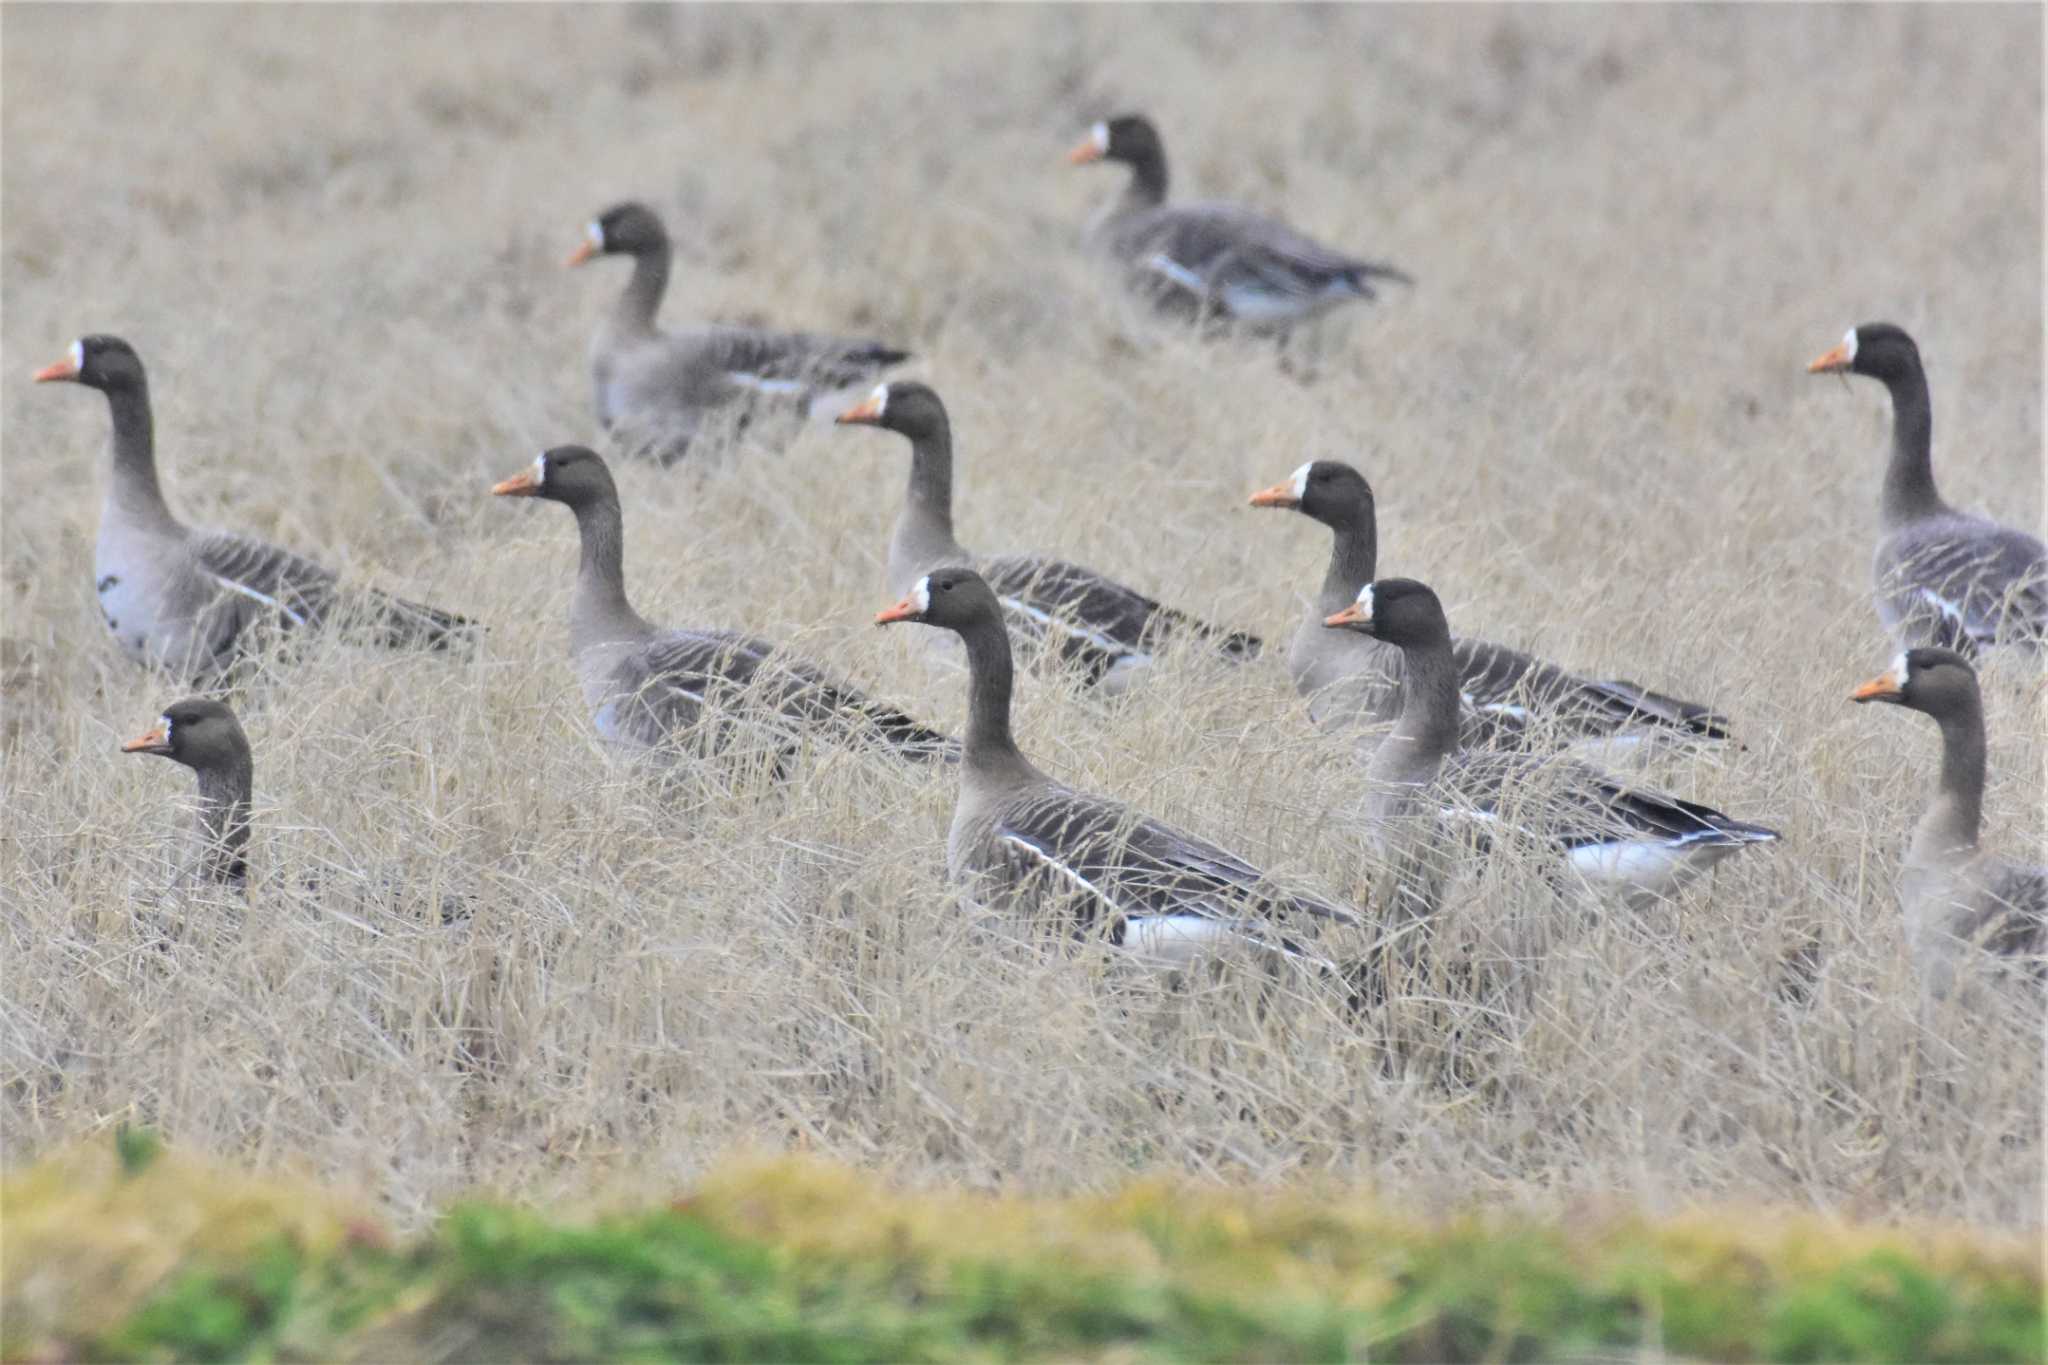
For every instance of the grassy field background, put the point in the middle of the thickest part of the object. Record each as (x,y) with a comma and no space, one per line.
(334,236)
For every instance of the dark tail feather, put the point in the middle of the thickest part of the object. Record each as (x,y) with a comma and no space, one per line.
(912,740)
(1656,708)
(413,625)
(1363,273)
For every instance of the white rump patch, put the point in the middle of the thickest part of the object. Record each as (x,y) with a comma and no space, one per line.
(1099,135)
(1301,481)
(1849,346)
(594,230)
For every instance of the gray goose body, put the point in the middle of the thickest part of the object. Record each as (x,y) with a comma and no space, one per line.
(1020,840)
(1942,577)
(192,601)
(1955,892)
(654,390)
(1350,678)
(1214,258)
(649,688)
(1104,630)
(1426,784)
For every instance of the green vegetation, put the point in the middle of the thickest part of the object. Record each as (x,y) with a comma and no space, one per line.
(167,1258)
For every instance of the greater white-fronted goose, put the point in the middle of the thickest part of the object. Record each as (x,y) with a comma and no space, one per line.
(1211,258)
(204,735)
(1639,843)
(1022,842)
(1350,676)
(1943,577)
(191,600)
(654,388)
(1106,631)
(648,688)
(1954,891)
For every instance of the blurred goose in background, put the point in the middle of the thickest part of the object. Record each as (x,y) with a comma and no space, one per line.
(654,389)
(1943,577)
(1019,839)
(1640,844)
(204,735)
(190,600)
(1098,626)
(1212,258)
(647,687)
(1954,891)
(1351,676)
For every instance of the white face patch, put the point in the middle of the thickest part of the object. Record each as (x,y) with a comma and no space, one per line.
(594,230)
(1099,135)
(540,469)
(78,356)
(1902,669)
(1300,481)
(1365,603)
(880,398)
(1849,346)
(921,595)
(167,730)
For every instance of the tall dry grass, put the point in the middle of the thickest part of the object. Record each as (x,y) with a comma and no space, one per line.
(333,235)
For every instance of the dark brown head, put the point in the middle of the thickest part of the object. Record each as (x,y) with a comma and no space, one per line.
(627,229)
(1129,138)
(575,475)
(99,362)
(1330,491)
(200,733)
(1935,682)
(903,406)
(952,598)
(1400,611)
(1877,349)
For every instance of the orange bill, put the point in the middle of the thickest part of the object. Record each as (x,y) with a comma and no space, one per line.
(1837,359)
(864,413)
(520,485)
(1884,687)
(58,369)
(1352,615)
(906,610)
(585,249)
(1084,152)
(155,742)
(1279,495)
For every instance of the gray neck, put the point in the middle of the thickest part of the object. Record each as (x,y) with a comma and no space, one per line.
(989,750)
(636,308)
(1427,730)
(1147,189)
(1909,493)
(135,490)
(1354,556)
(224,820)
(1951,825)
(923,535)
(599,612)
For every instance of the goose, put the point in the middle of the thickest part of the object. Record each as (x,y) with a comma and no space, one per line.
(655,389)
(646,687)
(203,734)
(1954,891)
(1101,628)
(192,601)
(1643,845)
(1349,676)
(1019,839)
(1943,577)
(1213,258)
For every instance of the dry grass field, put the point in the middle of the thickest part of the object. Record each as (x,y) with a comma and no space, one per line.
(334,235)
